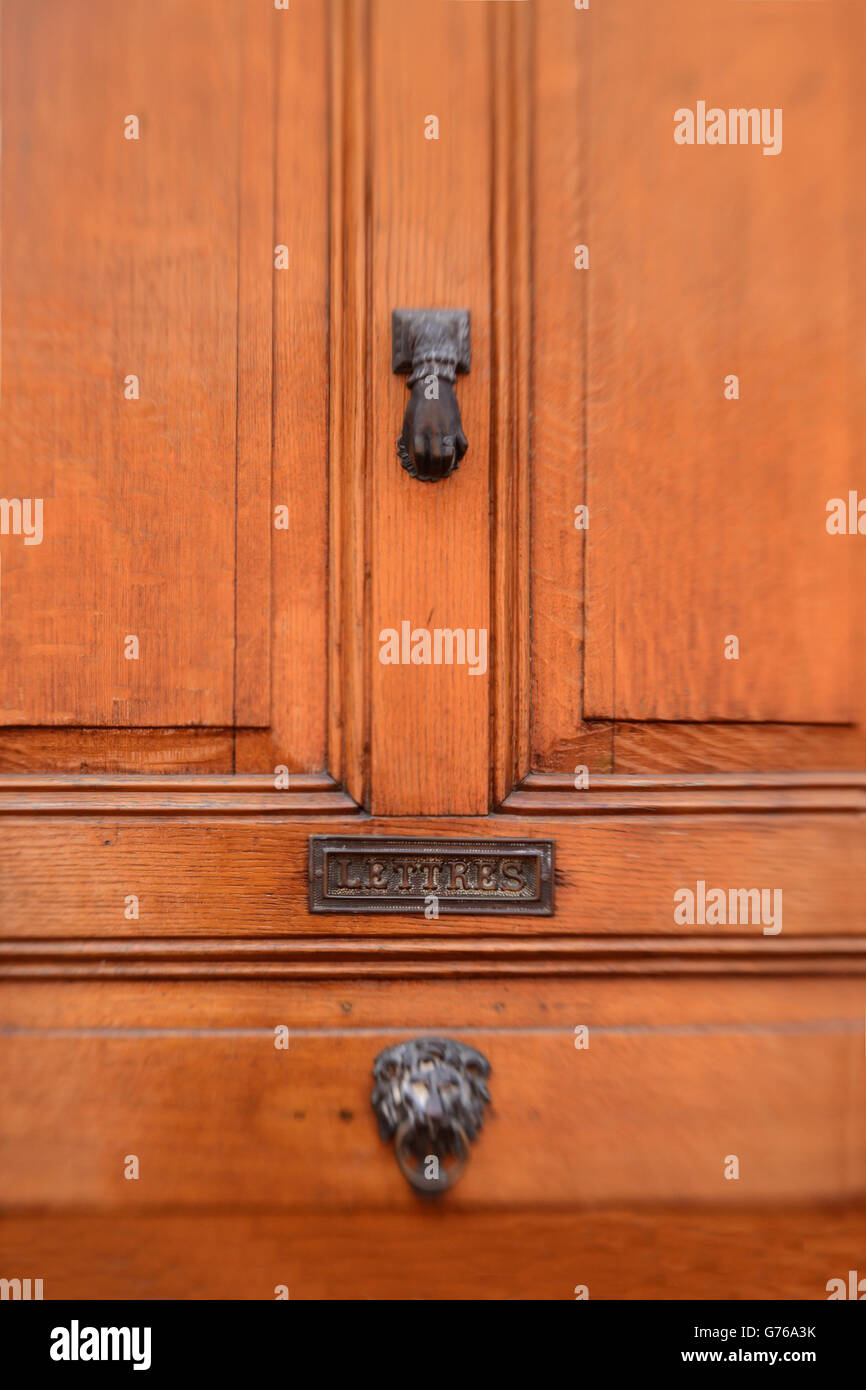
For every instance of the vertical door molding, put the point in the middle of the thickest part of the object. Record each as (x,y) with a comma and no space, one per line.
(512,35)
(348,614)
(422,222)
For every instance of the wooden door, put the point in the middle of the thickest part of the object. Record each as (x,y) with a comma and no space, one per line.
(210,211)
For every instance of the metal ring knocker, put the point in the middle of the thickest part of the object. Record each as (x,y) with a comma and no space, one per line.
(428,1174)
(429,1097)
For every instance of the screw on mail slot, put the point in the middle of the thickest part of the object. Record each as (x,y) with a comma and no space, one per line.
(380,874)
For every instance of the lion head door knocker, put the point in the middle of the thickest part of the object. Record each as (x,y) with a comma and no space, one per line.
(432,345)
(429,1097)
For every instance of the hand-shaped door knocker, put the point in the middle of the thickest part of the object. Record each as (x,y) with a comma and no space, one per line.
(432,345)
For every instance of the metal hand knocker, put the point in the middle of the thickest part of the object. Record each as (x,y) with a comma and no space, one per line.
(432,345)
(429,1097)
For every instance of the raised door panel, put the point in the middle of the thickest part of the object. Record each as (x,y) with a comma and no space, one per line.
(164,387)
(713,262)
(676,268)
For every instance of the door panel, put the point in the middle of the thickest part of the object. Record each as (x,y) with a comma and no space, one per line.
(708,514)
(121,262)
(224,862)
(220,1117)
(155,274)
(221,1124)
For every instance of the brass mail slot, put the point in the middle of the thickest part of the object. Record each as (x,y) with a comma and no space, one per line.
(378,874)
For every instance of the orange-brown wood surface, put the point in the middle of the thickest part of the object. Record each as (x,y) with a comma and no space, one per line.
(638,1253)
(511,417)
(429,543)
(655,747)
(696,511)
(231,869)
(707,515)
(558,383)
(295,449)
(372,1006)
(155,814)
(227,1119)
(159,262)
(121,257)
(647,1111)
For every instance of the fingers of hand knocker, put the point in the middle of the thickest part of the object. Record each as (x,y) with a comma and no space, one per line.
(434,428)
(432,346)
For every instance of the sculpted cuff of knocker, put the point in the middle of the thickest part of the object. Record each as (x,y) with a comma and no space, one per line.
(432,345)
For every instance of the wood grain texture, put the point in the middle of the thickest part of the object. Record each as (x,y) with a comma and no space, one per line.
(546,793)
(349,635)
(853,37)
(241,1146)
(640,748)
(255,353)
(429,543)
(76,751)
(608,746)
(297,470)
(737,747)
(238,870)
(559,310)
(708,515)
(268,74)
(397,1005)
(136,273)
(511,379)
(261,387)
(567,98)
(170,793)
(675,1252)
(327,959)
(219,1118)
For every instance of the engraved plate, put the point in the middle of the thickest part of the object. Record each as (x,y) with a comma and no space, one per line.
(377,874)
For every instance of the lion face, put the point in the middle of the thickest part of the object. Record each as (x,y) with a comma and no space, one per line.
(430,1086)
